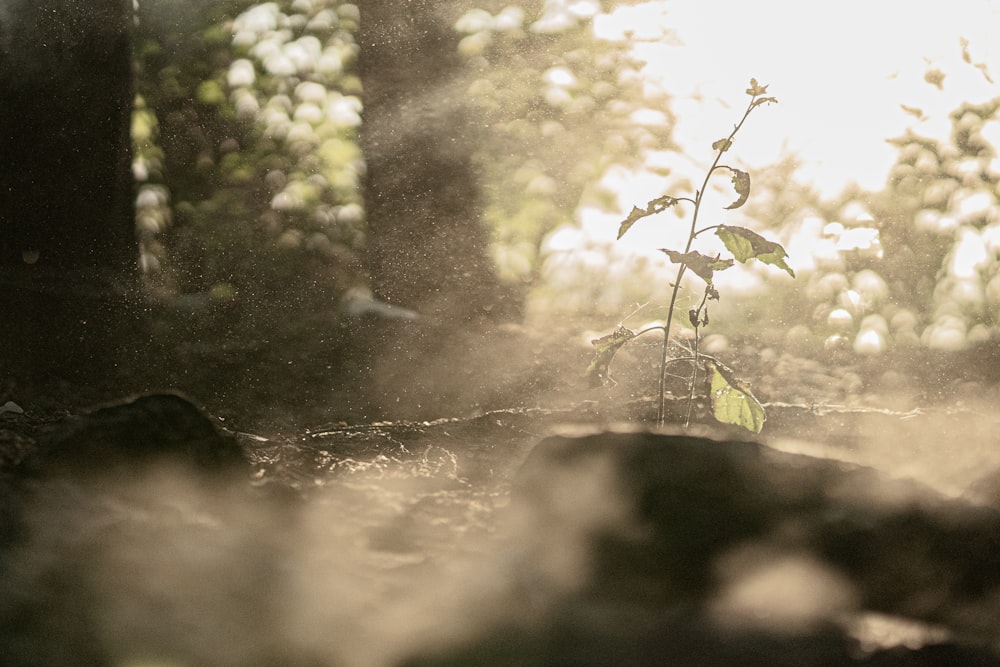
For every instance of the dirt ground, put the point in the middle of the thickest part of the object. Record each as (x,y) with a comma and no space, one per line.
(379,521)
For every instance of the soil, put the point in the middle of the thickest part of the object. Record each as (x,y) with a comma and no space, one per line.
(381,495)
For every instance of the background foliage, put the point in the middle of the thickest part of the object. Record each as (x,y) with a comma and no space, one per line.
(251,181)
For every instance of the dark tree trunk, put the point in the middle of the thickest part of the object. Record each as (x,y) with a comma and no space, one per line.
(427,246)
(68,268)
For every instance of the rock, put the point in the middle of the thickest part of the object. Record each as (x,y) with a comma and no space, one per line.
(137,536)
(649,535)
(125,436)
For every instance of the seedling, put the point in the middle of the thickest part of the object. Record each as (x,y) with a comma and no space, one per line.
(732,401)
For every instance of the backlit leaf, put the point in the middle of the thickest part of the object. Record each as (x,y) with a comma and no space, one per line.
(607,346)
(732,401)
(703,265)
(741,182)
(746,244)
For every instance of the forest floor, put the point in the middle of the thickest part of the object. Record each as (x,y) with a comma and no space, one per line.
(405,484)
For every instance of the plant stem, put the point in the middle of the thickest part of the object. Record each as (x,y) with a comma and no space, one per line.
(664,351)
(666,343)
(694,380)
(698,321)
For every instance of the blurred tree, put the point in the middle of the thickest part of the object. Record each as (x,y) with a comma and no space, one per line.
(483,128)
(67,243)
(941,229)
(481,132)
(428,247)
(249,204)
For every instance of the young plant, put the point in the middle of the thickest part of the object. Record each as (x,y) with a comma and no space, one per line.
(732,402)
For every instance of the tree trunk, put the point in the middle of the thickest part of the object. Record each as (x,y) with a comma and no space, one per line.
(67,244)
(428,249)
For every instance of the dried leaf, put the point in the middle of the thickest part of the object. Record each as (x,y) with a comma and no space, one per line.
(722,145)
(702,265)
(653,207)
(598,372)
(741,183)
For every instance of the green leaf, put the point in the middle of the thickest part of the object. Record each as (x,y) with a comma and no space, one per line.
(741,182)
(722,145)
(732,402)
(607,346)
(703,265)
(746,244)
(653,207)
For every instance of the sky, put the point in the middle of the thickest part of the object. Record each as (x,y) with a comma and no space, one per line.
(839,70)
